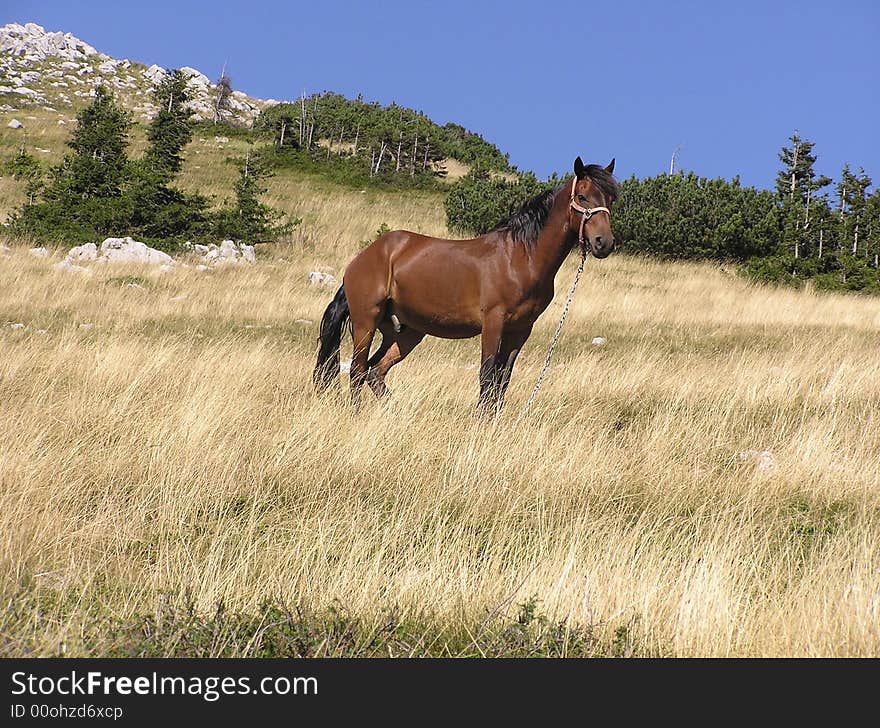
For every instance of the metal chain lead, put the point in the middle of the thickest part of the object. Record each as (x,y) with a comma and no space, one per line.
(549,356)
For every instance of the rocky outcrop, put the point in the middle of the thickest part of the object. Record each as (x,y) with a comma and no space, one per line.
(40,67)
(31,42)
(126,251)
(228,252)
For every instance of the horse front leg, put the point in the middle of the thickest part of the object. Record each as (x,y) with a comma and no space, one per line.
(491,365)
(511,345)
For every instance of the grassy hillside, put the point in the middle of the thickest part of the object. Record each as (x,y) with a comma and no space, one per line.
(331,214)
(161,453)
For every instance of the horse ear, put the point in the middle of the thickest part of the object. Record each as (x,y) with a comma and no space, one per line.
(578,168)
(610,167)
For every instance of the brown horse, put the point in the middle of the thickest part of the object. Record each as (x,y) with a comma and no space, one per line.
(408,285)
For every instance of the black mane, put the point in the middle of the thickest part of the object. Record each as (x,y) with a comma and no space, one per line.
(525,224)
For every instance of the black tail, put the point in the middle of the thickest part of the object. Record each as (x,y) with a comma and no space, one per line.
(327,368)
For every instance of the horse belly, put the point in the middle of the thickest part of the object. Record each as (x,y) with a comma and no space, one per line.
(442,303)
(434,326)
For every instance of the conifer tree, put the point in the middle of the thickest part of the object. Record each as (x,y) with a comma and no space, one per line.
(84,197)
(96,167)
(250,220)
(170,131)
(852,200)
(798,187)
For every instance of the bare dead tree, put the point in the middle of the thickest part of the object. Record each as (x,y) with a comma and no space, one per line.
(672,161)
(807,207)
(222,93)
(381,154)
(302,116)
(412,161)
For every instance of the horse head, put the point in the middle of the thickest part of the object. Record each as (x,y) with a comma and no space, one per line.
(593,191)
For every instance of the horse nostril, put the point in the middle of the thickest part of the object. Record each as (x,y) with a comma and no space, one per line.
(598,241)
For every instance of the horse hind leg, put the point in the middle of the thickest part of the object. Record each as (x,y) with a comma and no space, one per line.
(374,381)
(362,334)
(400,347)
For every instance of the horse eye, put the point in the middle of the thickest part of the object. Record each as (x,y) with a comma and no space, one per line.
(581,198)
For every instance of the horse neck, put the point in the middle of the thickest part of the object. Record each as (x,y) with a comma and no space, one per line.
(555,240)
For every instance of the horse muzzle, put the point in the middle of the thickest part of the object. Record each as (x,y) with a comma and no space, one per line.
(601,246)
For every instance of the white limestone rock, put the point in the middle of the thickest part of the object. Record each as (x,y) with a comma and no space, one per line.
(317,278)
(154,74)
(127,250)
(195,77)
(83,253)
(228,252)
(32,42)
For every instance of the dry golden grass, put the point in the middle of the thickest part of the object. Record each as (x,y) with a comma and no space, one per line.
(334,218)
(174,447)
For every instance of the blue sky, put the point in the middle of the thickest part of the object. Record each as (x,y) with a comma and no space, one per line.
(544,81)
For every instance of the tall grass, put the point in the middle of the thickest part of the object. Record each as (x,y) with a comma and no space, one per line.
(161,449)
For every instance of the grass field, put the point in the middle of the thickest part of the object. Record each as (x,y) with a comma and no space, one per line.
(170,485)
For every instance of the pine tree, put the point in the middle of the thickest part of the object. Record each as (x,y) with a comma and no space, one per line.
(159,211)
(872,228)
(171,130)
(97,166)
(798,187)
(84,198)
(250,220)
(852,200)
